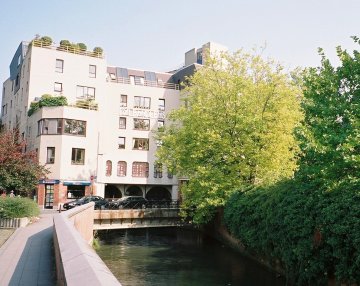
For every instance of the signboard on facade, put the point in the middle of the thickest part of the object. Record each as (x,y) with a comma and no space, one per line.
(142,113)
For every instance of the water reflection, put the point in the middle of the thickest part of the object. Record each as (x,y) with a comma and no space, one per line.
(172,256)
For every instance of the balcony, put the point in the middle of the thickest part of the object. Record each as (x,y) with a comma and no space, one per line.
(71,50)
(125,80)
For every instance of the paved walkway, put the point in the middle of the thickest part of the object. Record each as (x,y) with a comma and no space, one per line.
(27,256)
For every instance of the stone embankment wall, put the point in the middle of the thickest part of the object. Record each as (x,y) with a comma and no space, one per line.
(76,261)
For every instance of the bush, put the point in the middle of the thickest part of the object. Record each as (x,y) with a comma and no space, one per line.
(82,47)
(18,208)
(65,44)
(46,41)
(314,232)
(98,51)
(87,104)
(47,100)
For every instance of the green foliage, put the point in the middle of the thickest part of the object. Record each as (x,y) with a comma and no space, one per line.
(98,51)
(19,170)
(315,233)
(236,129)
(65,44)
(82,47)
(18,208)
(330,133)
(46,41)
(312,223)
(47,100)
(87,104)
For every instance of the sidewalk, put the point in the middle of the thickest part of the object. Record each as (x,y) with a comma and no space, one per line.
(27,256)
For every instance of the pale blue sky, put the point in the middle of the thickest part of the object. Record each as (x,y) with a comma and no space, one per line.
(154,35)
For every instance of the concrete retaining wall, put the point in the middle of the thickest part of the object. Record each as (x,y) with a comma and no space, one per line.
(76,262)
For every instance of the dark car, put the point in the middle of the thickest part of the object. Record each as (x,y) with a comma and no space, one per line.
(99,202)
(129,202)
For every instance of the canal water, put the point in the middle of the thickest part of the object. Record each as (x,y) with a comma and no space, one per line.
(177,257)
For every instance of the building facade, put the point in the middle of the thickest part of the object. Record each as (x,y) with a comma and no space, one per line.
(103,141)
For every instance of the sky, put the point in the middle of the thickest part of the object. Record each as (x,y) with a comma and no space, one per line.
(155,34)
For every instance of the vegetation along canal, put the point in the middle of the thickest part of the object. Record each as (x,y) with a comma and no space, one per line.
(174,256)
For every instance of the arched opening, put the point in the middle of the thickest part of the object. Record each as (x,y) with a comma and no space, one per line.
(111,191)
(134,191)
(158,194)
(108,168)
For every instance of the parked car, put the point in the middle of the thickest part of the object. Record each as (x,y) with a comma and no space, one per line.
(99,202)
(129,202)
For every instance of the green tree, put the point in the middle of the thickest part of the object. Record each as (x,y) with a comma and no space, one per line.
(235,129)
(330,133)
(19,170)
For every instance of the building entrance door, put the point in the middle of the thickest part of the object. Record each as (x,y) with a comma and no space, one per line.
(49,196)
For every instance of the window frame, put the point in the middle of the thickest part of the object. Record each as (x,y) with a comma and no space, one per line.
(92,73)
(140,169)
(143,102)
(58,84)
(158,170)
(137,121)
(122,120)
(161,104)
(59,69)
(50,155)
(121,146)
(138,142)
(121,168)
(74,155)
(123,103)
(108,168)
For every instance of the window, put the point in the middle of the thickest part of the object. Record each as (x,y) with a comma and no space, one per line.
(140,169)
(58,87)
(78,156)
(74,127)
(199,57)
(142,102)
(59,67)
(50,126)
(50,155)
(19,60)
(121,142)
(85,92)
(161,104)
(122,122)
(141,124)
(123,100)
(108,168)
(92,71)
(140,144)
(161,124)
(139,80)
(158,170)
(121,169)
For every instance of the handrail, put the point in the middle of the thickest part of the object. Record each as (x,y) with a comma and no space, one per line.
(126,80)
(68,49)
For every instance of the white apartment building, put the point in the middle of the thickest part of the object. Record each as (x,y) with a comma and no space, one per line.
(107,148)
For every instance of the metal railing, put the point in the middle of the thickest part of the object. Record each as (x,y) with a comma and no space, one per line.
(68,49)
(126,80)
(150,204)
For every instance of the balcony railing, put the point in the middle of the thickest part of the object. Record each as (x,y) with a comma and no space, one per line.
(126,80)
(72,50)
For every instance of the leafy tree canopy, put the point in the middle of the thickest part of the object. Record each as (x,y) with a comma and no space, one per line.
(19,170)
(234,129)
(330,133)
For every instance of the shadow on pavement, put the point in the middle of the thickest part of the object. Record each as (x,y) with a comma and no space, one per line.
(36,265)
